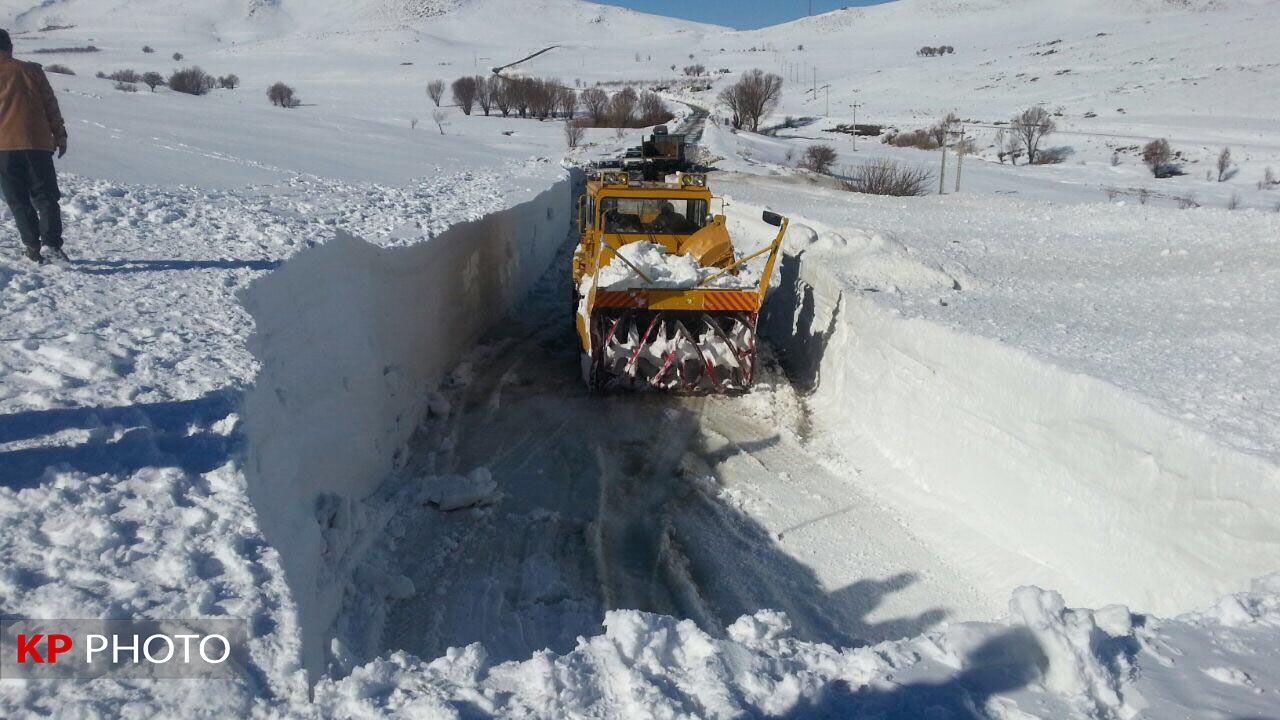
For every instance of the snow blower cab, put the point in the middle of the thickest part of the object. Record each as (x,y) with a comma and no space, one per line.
(662,297)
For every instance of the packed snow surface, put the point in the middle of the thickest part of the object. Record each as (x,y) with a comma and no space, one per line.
(306,369)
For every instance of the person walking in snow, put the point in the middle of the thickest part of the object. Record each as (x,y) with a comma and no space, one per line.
(31,129)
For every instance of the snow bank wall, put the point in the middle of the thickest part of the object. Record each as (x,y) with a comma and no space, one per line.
(1024,472)
(351,337)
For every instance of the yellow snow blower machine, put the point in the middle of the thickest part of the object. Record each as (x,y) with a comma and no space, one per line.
(663,301)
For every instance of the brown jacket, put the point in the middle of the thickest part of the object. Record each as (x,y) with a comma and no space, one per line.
(29,114)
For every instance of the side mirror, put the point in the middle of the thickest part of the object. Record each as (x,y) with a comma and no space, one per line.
(773,218)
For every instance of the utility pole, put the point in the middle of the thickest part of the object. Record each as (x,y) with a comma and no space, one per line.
(855,126)
(942,176)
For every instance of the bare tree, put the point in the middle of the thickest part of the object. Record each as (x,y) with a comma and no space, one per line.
(153,80)
(435,91)
(650,110)
(948,124)
(484,95)
(229,82)
(500,93)
(177,57)
(753,97)
(464,93)
(622,107)
(1156,155)
(573,133)
(1234,202)
(567,100)
(1008,145)
(439,116)
(543,94)
(521,90)
(596,103)
(1031,126)
(819,158)
(1224,164)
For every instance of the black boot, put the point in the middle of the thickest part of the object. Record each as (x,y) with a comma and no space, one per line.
(33,254)
(59,254)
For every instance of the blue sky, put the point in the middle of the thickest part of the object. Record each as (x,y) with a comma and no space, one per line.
(737,13)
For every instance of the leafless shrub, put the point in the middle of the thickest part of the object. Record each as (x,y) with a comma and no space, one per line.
(229,82)
(928,51)
(126,76)
(283,96)
(753,97)
(1031,126)
(573,132)
(1112,192)
(59,69)
(819,158)
(177,57)
(413,123)
(152,80)
(886,177)
(920,139)
(1224,164)
(464,91)
(126,87)
(147,49)
(190,81)
(695,70)
(439,117)
(596,104)
(1233,203)
(1144,196)
(66,50)
(1053,156)
(1115,159)
(1187,202)
(435,91)
(1156,155)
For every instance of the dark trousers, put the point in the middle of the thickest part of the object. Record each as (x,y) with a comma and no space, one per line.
(30,187)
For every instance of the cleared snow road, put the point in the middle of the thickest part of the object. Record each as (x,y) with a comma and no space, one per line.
(706,508)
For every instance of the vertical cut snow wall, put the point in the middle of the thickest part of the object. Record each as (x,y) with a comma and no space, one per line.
(1021,472)
(351,337)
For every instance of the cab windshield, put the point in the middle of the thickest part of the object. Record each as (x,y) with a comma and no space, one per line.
(653,216)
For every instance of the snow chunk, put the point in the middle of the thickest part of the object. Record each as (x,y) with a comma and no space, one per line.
(454,492)
(664,270)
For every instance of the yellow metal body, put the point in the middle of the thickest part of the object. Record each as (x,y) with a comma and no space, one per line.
(710,245)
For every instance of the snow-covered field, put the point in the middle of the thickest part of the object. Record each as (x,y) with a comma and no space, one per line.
(282,379)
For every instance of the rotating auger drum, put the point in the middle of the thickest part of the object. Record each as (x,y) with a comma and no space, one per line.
(681,352)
